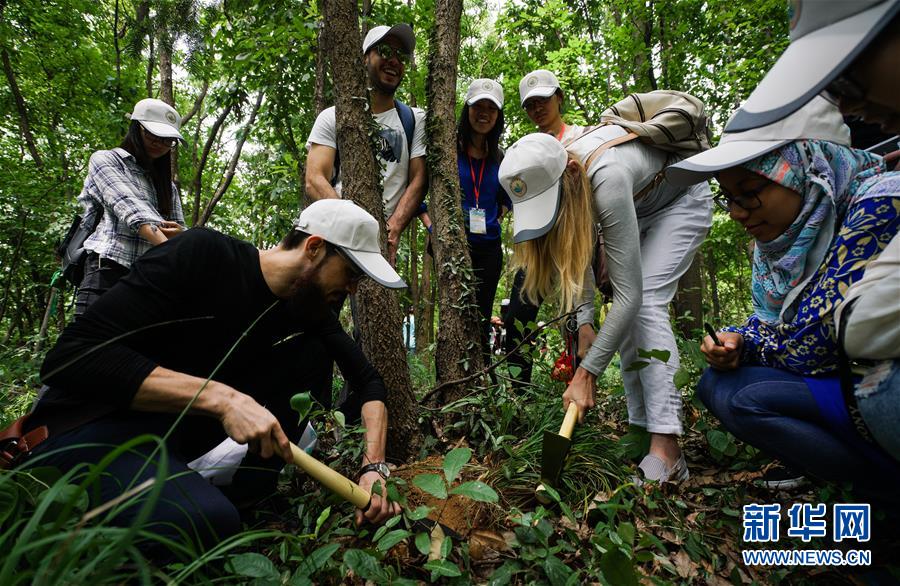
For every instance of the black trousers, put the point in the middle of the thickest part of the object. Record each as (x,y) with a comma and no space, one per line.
(524,312)
(99,277)
(487,265)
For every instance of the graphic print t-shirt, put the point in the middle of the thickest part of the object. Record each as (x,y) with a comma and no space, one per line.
(392,149)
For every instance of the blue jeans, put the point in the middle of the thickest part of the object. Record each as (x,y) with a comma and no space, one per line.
(775,411)
(880,409)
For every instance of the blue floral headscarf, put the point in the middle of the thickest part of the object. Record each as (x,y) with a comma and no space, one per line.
(829,177)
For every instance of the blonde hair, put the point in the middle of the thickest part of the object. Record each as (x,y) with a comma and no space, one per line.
(555,262)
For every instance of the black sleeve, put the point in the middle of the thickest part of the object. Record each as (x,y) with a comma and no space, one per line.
(95,356)
(365,382)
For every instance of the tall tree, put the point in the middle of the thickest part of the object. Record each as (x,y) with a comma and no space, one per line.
(458,349)
(378,317)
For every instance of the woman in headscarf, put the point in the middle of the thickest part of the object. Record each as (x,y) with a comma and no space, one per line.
(819,212)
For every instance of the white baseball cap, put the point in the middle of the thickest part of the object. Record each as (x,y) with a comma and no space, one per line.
(159,118)
(352,229)
(485,89)
(826,36)
(819,119)
(402,31)
(540,83)
(531,174)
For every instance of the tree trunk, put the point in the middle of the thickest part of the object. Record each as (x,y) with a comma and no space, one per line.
(22,109)
(380,320)
(198,174)
(151,64)
(321,71)
(425,306)
(689,300)
(458,351)
(232,165)
(712,274)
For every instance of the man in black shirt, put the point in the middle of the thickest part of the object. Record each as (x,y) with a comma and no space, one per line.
(251,325)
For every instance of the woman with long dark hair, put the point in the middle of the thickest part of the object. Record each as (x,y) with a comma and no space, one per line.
(131,189)
(483,200)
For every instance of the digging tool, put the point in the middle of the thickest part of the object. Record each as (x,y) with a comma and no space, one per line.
(351,491)
(553,455)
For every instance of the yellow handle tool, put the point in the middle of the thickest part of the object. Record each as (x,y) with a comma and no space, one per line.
(555,449)
(331,479)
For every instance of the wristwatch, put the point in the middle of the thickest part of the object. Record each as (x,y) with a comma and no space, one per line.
(380,467)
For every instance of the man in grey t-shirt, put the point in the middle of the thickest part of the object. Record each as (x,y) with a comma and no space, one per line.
(386,50)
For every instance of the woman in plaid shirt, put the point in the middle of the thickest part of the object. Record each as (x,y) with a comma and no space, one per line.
(131,188)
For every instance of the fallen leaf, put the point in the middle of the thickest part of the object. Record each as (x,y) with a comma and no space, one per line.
(437,540)
(482,543)
(683,564)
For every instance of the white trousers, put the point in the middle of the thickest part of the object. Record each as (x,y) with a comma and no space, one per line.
(669,240)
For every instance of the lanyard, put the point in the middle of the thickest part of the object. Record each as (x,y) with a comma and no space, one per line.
(562,131)
(476,186)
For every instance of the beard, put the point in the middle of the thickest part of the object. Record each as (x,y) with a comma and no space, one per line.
(380,86)
(309,304)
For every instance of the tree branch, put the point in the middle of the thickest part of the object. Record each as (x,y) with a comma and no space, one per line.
(197,104)
(198,176)
(24,126)
(232,165)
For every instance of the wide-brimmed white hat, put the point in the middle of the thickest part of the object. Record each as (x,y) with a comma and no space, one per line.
(540,83)
(819,119)
(826,36)
(485,89)
(402,31)
(352,229)
(531,173)
(159,118)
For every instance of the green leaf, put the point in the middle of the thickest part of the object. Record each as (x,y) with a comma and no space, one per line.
(503,574)
(301,403)
(454,462)
(362,564)
(446,546)
(420,513)
(626,532)
(477,491)
(556,571)
(423,543)
(9,500)
(443,568)
(323,516)
(317,559)
(432,484)
(618,569)
(392,539)
(661,355)
(637,365)
(253,565)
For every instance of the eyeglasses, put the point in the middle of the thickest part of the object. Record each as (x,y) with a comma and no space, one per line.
(387,53)
(356,273)
(158,140)
(844,86)
(749,201)
(532,103)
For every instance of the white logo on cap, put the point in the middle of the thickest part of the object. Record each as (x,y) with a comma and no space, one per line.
(532,81)
(170,117)
(487,86)
(518,186)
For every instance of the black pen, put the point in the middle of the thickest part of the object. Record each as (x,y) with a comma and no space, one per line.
(712,333)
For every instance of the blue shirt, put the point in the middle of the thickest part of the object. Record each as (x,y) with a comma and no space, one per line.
(490,195)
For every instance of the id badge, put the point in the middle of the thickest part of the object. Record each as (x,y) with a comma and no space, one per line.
(477,221)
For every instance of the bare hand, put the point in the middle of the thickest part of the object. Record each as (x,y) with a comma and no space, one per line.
(393,239)
(247,422)
(170,228)
(586,336)
(726,357)
(380,508)
(582,391)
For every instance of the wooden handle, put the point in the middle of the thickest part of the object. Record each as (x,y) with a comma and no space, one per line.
(568,424)
(331,479)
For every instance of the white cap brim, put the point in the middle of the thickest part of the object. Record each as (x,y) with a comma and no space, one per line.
(484,96)
(541,91)
(809,64)
(535,216)
(376,267)
(161,130)
(702,166)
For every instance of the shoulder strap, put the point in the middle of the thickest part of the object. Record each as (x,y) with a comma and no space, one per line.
(606,146)
(408,120)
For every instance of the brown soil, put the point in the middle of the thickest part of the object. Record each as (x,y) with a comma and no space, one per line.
(459,513)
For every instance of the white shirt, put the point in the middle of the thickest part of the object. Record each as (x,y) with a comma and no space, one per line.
(393,153)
